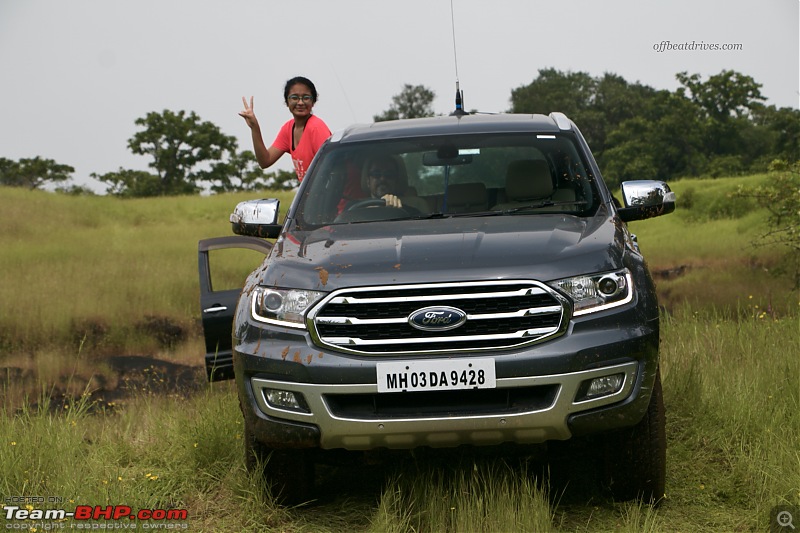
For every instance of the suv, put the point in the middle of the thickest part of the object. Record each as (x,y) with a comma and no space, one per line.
(501,300)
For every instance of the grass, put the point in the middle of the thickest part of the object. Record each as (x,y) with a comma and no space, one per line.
(102,264)
(120,458)
(96,269)
(487,498)
(84,278)
(703,254)
(733,397)
(732,390)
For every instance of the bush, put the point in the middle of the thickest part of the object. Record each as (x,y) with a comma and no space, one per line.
(781,198)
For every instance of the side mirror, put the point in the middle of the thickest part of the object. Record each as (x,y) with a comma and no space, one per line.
(257,218)
(646,199)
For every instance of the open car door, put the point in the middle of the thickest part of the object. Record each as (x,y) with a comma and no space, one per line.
(218,306)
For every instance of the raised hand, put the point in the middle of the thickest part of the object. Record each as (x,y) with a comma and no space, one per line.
(248,115)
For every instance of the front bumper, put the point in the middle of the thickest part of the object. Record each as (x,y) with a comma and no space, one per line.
(540,385)
(369,432)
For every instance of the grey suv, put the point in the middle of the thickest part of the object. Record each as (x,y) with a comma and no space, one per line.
(493,295)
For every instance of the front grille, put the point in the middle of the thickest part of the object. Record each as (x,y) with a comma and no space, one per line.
(500,315)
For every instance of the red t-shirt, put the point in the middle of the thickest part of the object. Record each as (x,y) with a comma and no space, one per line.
(314,134)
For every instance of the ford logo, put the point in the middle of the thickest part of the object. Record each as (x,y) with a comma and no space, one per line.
(437,318)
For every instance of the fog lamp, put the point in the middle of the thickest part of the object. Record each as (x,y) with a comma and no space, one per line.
(287,400)
(602,386)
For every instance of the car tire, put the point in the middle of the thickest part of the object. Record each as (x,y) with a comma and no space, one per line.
(635,459)
(288,474)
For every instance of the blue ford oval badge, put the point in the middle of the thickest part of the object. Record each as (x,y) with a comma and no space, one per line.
(437,318)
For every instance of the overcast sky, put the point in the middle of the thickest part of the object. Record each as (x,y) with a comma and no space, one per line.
(77,74)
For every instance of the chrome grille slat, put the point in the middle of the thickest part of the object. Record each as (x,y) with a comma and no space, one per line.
(500,315)
(490,316)
(429,298)
(368,342)
(355,320)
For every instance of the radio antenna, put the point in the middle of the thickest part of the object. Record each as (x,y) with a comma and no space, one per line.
(453,25)
(459,95)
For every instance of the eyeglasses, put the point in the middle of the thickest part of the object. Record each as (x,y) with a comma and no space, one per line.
(306,98)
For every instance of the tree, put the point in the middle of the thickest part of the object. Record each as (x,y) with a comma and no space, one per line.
(727,101)
(725,95)
(412,102)
(781,127)
(184,151)
(662,142)
(189,156)
(715,127)
(33,173)
(133,183)
(281,179)
(597,105)
(613,102)
(242,173)
(239,173)
(781,197)
(75,190)
(568,92)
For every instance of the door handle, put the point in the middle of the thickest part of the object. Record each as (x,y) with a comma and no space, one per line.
(215,309)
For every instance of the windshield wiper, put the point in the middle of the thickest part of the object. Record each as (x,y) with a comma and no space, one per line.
(478,214)
(437,214)
(544,203)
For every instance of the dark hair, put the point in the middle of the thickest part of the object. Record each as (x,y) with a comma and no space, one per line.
(383,160)
(304,81)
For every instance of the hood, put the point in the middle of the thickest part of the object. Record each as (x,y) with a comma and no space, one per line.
(541,247)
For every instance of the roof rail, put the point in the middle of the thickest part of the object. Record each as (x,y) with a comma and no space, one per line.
(561,120)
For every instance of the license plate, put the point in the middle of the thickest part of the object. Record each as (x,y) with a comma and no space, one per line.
(439,374)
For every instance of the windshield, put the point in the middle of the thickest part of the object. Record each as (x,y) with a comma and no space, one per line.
(467,175)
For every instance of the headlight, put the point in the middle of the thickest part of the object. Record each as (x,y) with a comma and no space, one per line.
(595,292)
(283,307)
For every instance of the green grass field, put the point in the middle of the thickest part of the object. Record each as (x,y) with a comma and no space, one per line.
(87,279)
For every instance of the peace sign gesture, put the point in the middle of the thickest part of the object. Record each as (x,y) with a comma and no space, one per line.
(248,115)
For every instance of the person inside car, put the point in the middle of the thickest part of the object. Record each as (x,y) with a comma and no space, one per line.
(383,181)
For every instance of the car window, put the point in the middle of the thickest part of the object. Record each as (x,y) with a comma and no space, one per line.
(467,175)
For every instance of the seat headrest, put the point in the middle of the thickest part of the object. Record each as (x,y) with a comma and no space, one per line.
(528,179)
(466,197)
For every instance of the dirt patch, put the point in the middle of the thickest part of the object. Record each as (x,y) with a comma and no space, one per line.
(117,379)
(671,273)
(148,374)
(166,331)
(89,332)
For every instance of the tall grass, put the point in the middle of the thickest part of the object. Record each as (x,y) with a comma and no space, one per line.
(732,392)
(733,396)
(98,265)
(485,498)
(703,254)
(154,453)
(89,268)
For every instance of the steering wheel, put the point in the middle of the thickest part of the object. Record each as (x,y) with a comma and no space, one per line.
(369,202)
(380,202)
